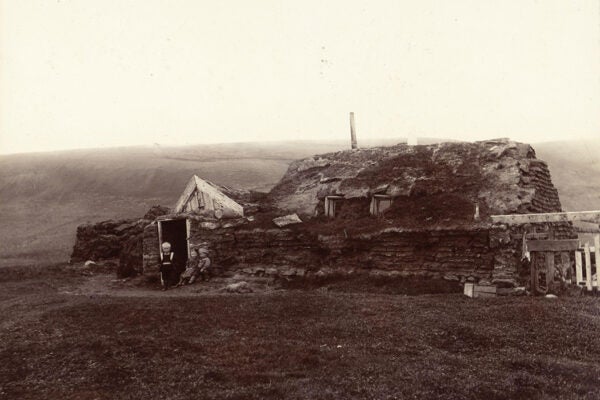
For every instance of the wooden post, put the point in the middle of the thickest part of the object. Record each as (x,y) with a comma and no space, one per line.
(578,267)
(188,231)
(159,237)
(549,269)
(353,131)
(534,276)
(565,266)
(597,261)
(588,267)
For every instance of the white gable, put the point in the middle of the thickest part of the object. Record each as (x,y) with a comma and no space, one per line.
(201,195)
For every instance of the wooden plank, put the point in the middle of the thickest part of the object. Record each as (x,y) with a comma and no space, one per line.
(552,245)
(597,255)
(533,277)
(530,236)
(188,232)
(469,289)
(159,237)
(588,267)
(586,230)
(485,289)
(565,266)
(578,267)
(515,219)
(353,132)
(549,268)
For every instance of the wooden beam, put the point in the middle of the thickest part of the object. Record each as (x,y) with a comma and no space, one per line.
(530,236)
(552,245)
(353,132)
(597,254)
(588,267)
(534,275)
(515,219)
(549,269)
(578,268)
(159,237)
(586,230)
(565,266)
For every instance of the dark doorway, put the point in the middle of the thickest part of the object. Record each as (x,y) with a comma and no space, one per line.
(175,232)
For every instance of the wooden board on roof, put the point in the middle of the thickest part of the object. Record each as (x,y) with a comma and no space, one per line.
(515,219)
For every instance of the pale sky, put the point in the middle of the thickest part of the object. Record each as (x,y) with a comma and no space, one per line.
(96,73)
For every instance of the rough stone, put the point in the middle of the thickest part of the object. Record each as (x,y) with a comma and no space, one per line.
(238,287)
(287,220)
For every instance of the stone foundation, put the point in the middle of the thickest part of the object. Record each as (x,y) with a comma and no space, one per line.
(456,254)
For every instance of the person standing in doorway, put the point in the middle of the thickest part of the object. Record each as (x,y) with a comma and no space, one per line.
(166,264)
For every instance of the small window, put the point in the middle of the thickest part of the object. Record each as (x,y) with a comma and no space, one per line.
(330,205)
(380,203)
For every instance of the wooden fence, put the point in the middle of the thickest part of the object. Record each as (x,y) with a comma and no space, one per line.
(586,265)
(586,258)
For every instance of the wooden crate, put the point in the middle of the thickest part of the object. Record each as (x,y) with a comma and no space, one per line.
(469,289)
(480,291)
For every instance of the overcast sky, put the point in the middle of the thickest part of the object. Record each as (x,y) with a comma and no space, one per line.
(109,73)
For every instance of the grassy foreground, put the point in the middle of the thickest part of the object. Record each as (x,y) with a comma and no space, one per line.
(292,344)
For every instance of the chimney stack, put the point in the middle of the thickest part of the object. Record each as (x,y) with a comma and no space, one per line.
(353,131)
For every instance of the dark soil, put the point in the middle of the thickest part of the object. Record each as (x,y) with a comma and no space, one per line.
(291,344)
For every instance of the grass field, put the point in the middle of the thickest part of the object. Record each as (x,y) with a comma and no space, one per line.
(293,344)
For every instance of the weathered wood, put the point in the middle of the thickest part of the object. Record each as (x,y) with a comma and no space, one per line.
(597,260)
(212,198)
(533,274)
(565,266)
(469,289)
(552,245)
(515,219)
(353,131)
(159,237)
(588,267)
(585,230)
(188,232)
(530,236)
(485,289)
(578,267)
(549,268)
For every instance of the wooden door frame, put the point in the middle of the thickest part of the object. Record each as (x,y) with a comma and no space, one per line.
(187,233)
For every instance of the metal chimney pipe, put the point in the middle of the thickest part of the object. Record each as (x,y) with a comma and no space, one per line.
(353,131)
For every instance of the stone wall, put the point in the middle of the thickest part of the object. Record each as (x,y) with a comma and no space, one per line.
(536,175)
(239,247)
(104,240)
(413,253)
(151,256)
(492,254)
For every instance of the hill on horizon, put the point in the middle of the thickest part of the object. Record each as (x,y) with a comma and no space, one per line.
(45,196)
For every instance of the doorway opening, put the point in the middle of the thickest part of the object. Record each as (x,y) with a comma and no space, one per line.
(176,232)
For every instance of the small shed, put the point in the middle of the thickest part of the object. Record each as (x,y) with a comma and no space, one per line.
(201,200)
(201,195)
